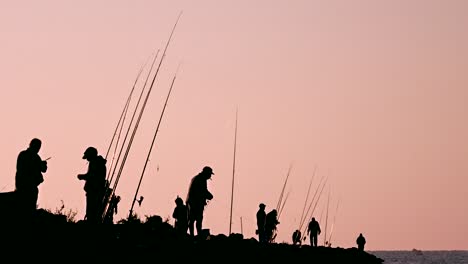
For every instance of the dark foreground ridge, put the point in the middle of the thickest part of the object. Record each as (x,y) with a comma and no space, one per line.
(51,237)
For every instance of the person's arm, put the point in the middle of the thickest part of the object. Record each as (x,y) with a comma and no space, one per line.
(208,195)
(43,164)
(84,176)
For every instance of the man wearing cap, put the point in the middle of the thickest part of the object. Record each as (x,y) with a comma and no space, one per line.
(95,185)
(197,198)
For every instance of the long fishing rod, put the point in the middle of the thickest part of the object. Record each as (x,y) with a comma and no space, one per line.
(282,191)
(334,220)
(133,116)
(152,144)
(284,203)
(106,198)
(115,148)
(325,241)
(145,102)
(302,219)
(233,172)
(308,213)
(122,121)
(125,107)
(318,198)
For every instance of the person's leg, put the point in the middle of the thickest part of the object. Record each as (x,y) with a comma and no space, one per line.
(191,223)
(91,209)
(199,223)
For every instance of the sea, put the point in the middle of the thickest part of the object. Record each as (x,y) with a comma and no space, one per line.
(422,257)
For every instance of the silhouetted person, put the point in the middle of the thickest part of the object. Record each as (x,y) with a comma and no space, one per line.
(95,185)
(29,169)
(197,198)
(296,237)
(180,215)
(261,221)
(361,241)
(313,230)
(270,225)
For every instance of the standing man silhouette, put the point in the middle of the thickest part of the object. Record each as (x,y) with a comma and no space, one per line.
(197,198)
(95,185)
(261,222)
(314,230)
(29,169)
(361,241)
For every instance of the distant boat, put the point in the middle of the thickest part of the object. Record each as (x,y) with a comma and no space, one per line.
(417,251)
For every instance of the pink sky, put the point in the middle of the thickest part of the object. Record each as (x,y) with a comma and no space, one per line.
(371,92)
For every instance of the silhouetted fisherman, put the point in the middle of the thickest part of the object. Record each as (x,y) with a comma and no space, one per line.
(197,198)
(270,225)
(296,237)
(95,185)
(313,230)
(261,221)
(29,169)
(112,210)
(361,241)
(180,215)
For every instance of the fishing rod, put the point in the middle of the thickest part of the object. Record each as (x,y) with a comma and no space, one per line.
(284,203)
(125,107)
(152,144)
(133,116)
(122,119)
(334,220)
(313,198)
(107,198)
(233,171)
(116,145)
(144,103)
(284,186)
(325,241)
(302,219)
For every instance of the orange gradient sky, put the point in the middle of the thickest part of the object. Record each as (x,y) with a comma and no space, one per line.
(371,92)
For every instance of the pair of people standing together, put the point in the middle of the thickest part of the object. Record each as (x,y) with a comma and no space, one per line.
(29,175)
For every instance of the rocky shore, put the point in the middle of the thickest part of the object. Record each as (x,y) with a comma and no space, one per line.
(53,237)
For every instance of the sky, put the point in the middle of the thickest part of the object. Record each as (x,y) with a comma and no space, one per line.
(371,95)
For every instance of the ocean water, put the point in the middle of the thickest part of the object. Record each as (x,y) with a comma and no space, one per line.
(422,257)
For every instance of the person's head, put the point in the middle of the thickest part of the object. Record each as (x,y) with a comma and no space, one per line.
(207,171)
(313,219)
(262,206)
(179,201)
(90,153)
(35,145)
